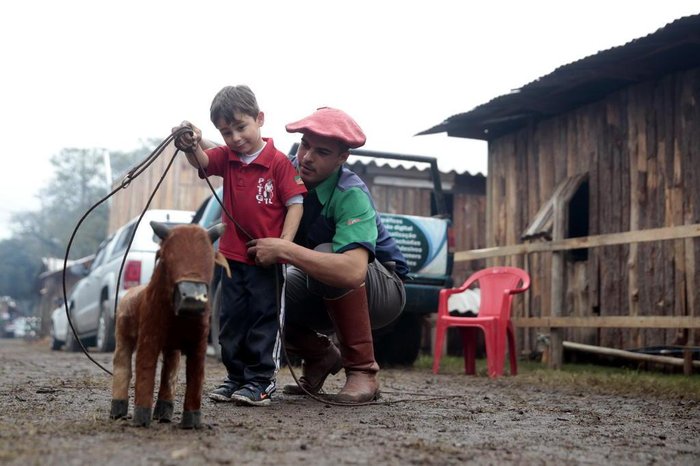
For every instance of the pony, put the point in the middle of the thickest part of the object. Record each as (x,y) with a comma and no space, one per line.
(169,315)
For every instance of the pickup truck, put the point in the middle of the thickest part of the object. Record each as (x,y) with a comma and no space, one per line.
(426,242)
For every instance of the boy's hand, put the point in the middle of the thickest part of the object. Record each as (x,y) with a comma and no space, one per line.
(187,142)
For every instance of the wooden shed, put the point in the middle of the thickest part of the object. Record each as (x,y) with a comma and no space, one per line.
(606,150)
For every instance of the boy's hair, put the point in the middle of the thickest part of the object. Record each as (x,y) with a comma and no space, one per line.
(231,100)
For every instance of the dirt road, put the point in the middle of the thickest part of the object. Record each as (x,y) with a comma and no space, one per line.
(55,411)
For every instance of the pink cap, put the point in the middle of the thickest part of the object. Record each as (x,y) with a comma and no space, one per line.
(331,123)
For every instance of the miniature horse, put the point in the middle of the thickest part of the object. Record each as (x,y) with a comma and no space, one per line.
(169,315)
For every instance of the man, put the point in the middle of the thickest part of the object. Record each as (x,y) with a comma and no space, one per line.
(345,270)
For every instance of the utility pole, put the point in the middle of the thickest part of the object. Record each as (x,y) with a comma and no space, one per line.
(108,172)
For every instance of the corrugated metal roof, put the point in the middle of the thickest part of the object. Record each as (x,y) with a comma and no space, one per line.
(674,47)
(408,166)
(380,159)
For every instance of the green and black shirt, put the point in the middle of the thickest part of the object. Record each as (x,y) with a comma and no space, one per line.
(341,211)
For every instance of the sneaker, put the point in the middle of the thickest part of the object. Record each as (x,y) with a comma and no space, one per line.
(254,395)
(224,392)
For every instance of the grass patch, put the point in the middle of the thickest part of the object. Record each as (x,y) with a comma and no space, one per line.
(585,377)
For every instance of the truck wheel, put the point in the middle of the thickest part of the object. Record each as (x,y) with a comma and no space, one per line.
(56,344)
(72,343)
(214,324)
(105,330)
(400,345)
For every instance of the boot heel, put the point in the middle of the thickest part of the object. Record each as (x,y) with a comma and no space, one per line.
(336,368)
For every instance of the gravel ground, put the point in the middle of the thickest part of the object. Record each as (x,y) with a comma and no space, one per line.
(55,410)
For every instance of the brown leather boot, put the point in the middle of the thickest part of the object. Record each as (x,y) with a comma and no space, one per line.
(320,359)
(350,316)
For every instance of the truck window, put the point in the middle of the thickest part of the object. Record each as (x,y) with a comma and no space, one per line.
(122,241)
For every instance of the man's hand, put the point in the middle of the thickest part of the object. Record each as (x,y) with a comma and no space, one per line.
(188,141)
(267,251)
(342,270)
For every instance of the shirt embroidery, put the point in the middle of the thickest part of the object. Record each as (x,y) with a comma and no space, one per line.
(266,191)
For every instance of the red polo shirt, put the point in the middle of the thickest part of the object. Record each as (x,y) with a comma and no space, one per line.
(255,195)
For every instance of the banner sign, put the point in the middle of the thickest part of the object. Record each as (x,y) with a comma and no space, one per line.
(422,240)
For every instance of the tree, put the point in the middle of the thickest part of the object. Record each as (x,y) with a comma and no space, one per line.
(19,267)
(122,161)
(77,185)
(79,182)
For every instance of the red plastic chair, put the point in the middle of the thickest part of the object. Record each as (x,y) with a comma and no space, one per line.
(497,286)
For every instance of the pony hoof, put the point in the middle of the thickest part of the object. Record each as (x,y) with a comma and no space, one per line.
(191,420)
(163,411)
(119,410)
(142,416)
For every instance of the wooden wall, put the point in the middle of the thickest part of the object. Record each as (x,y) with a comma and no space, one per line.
(468,201)
(468,222)
(641,150)
(181,189)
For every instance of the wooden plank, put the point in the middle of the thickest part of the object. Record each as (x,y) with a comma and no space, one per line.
(687,365)
(635,196)
(512,191)
(654,210)
(581,306)
(652,234)
(526,337)
(596,199)
(616,321)
(607,274)
(689,142)
(621,131)
(558,289)
(539,297)
(664,124)
(490,163)
(678,218)
(586,272)
(613,275)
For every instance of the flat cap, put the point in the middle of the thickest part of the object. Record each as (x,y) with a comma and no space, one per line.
(331,123)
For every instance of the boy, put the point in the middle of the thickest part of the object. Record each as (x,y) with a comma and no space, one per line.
(263,194)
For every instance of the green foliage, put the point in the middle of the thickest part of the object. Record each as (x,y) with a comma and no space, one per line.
(79,182)
(122,161)
(77,185)
(18,269)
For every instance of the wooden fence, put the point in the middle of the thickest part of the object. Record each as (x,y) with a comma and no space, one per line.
(556,321)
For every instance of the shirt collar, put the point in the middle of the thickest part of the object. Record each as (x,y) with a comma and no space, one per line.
(327,186)
(265,157)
